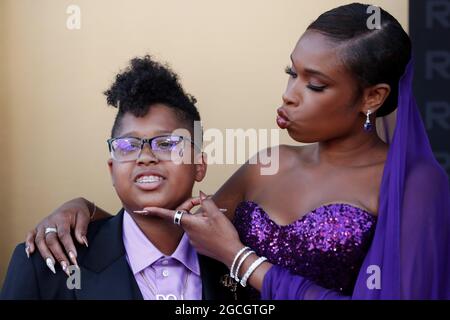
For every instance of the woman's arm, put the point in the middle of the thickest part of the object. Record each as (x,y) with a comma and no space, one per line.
(213,235)
(76,215)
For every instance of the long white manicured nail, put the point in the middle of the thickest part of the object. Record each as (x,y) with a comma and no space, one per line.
(73,258)
(140,211)
(85,241)
(50,264)
(64,267)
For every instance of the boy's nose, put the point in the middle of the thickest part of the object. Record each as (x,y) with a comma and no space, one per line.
(146,156)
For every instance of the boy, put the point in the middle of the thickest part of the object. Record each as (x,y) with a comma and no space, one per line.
(133,256)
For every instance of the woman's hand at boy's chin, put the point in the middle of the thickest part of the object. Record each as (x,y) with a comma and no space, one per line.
(210,231)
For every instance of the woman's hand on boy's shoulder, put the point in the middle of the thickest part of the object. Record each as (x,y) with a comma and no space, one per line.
(55,230)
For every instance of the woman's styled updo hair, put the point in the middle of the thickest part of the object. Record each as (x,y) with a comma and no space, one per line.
(372,55)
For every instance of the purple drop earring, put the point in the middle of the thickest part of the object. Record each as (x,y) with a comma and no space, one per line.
(368,124)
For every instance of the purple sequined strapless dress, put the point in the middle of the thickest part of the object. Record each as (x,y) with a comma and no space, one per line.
(327,245)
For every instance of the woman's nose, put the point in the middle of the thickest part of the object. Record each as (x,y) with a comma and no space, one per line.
(290,96)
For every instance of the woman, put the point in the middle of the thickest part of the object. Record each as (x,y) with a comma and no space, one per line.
(347,216)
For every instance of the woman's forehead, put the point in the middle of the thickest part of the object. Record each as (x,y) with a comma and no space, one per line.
(317,52)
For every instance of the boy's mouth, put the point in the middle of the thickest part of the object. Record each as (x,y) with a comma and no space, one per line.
(148,181)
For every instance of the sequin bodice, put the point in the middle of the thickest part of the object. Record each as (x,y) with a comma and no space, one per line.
(327,245)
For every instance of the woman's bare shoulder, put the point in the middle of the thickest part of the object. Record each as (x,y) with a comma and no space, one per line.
(277,159)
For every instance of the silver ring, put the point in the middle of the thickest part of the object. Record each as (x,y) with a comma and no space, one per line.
(50,230)
(177,217)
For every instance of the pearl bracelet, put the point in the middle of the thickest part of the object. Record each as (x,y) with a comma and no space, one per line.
(252,268)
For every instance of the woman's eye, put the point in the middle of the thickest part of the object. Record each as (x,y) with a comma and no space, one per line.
(316,88)
(290,72)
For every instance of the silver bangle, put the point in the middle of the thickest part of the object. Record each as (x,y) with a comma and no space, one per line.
(250,270)
(235,260)
(245,256)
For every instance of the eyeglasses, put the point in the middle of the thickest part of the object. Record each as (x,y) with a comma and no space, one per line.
(166,147)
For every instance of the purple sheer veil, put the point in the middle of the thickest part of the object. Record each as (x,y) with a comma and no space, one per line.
(411,245)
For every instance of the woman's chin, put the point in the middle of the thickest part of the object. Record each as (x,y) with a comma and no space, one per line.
(301,138)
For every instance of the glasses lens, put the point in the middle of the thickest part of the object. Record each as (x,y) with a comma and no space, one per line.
(167,146)
(126,149)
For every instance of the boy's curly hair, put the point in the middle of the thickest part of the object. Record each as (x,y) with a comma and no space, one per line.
(144,83)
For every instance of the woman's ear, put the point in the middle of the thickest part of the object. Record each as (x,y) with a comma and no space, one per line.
(200,166)
(374,97)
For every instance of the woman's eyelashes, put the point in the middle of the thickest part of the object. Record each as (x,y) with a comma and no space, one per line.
(290,72)
(316,88)
(313,87)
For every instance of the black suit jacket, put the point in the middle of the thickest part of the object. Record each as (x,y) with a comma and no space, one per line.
(105,273)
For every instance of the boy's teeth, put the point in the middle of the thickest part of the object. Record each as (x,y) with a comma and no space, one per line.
(148,179)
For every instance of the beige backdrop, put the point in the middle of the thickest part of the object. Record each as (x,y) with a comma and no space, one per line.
(54,120)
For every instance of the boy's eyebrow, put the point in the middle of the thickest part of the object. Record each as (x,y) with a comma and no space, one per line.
(136,134)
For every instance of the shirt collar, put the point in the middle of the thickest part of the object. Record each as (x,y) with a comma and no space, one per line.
(142,253)
(187,255)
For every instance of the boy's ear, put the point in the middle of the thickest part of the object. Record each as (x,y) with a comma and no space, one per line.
(110,164)
(200,166)
(110,167)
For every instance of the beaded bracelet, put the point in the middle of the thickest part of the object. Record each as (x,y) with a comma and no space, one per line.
(250,270)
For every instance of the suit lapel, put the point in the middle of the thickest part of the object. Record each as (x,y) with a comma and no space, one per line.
(105,273)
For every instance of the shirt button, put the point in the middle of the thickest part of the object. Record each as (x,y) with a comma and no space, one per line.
(165,262)
(165,273)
